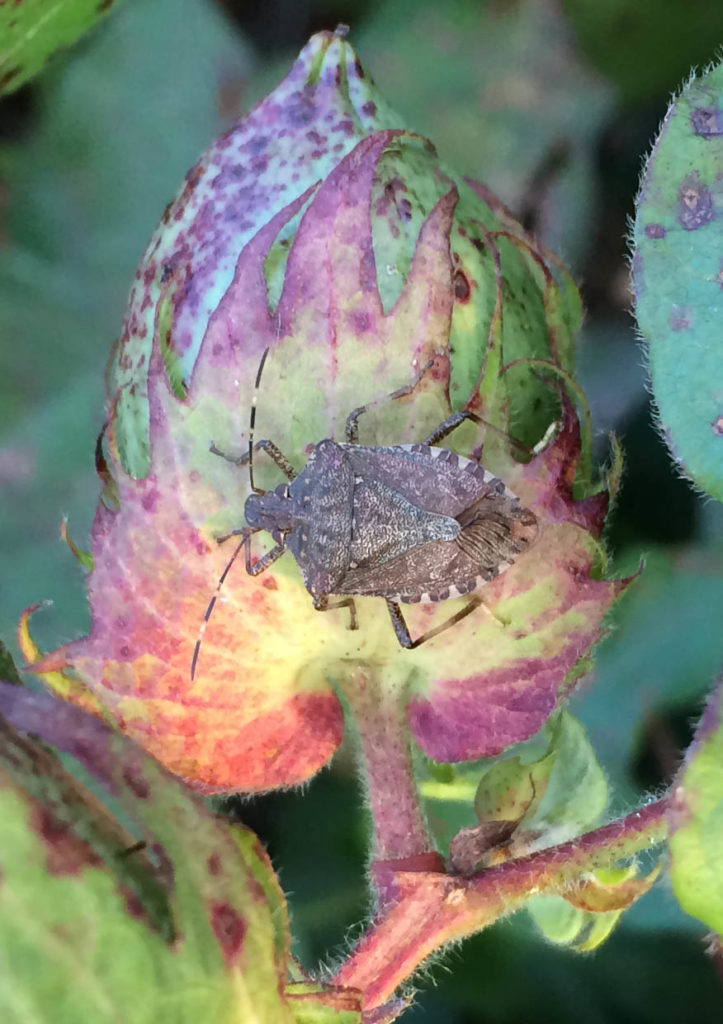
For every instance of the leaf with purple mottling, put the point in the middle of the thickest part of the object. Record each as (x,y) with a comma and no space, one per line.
(472,294)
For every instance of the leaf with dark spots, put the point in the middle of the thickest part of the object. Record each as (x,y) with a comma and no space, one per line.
(676,276)
(74,831)
(71,869)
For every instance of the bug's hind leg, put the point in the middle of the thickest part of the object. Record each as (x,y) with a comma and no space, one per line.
(267,446)
(352,420)
(446,427)
(402,630)
(323,604)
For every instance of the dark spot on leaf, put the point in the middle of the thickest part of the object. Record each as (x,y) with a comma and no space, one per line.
(8,77)
(229,928)
(655,231)
(66,854)
(105,5)
(681,317)
(696,202)
(270,583)
(358,68)
(404,207)
(462,289)
(134,907)
(361,323)
(125,651)
(707,121)
(135,782)
(213,864)
(717,426)
(369,109)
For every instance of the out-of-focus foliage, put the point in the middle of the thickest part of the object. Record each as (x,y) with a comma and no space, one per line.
(80,200)
(646,48)
(32,30)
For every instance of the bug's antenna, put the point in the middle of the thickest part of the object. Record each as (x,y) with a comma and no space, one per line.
(252,424)
(244,540)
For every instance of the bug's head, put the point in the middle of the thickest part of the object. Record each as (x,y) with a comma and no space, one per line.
(271,511)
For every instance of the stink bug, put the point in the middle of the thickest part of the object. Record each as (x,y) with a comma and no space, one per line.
(409,523)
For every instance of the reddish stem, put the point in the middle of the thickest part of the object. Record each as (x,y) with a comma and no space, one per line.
(400,830)
(430,908)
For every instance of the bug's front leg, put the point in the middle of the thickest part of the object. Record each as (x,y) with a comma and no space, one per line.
(261,564)
(272,450)
(323,604)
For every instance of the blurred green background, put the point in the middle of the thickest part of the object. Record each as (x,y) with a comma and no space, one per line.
(554,107)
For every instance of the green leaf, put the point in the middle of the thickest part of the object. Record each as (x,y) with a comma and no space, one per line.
(565,925)
(551,789)
(87,915)
(33,30)
(583,918)
(678,277)
(696,843)
(509,790)
(576,793)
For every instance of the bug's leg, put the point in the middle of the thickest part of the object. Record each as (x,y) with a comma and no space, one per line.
(400,626)
(269,447)
(252,568)
(261,564)
(446,427)
(402,631)
(352,424)
(323,604)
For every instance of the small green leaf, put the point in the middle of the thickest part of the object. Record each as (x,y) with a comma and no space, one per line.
(678,277)
(565,925)
(565,789)
(33,30)
(696,843)
(584,917)
(576,793)
(509,790)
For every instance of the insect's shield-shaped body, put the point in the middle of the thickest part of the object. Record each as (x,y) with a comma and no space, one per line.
(408,523)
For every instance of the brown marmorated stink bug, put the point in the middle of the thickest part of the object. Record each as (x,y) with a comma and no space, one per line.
(410,523)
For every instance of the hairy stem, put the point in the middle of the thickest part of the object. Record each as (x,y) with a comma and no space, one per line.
(430,909)
(400,830)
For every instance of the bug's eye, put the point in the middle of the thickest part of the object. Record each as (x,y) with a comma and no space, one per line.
(252,510)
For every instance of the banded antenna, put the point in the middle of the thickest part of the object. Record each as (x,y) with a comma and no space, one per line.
(252,423)
(246,531)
